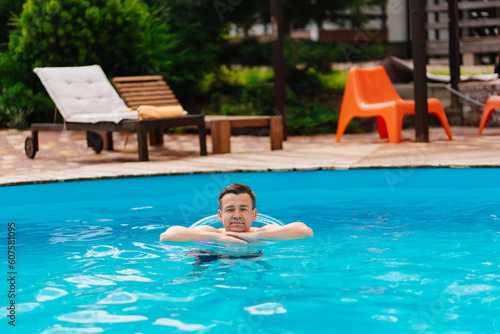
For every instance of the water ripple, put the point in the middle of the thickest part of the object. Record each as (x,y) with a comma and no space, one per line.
(122,297)
(134,255)
(266,309)
(88,281)
(101,251)
(58,329)
(180,325)
(126,278)
(473,289)
(80,233)
(50,294)
(97,316)
(395,276)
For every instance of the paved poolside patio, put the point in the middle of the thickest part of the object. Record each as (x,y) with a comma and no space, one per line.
(65,156)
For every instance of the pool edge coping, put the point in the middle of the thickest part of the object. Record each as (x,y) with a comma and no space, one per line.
(291,169)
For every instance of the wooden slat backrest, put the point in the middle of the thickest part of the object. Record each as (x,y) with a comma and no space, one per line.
(149,90)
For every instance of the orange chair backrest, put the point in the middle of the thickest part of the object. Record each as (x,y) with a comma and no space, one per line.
(371,85)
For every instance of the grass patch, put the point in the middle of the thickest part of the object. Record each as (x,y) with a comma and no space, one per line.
(485,70)
(335,80)
(236,76)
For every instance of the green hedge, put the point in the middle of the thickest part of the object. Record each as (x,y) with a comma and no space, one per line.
(250,91)
(119,35)
(307,53)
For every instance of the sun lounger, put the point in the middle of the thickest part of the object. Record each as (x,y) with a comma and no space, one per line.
(152,89)
(88,102)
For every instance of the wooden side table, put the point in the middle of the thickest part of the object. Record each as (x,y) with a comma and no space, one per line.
(220,129)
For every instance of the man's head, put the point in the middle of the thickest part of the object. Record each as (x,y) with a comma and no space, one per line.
(237,207)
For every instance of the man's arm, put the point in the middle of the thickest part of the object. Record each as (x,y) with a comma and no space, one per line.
(274,233)
(199,233)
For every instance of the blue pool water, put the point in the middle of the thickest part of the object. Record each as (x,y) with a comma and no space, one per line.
(394,251)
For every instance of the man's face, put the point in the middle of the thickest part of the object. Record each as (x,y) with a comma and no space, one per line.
(236,213)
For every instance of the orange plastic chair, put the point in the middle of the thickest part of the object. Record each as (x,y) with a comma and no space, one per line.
(370,93)
(492,103)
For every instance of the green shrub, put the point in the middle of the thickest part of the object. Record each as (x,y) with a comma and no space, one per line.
(251,99)
(8,8)
(250,91)
(247,52)
(335,80)
(303,53)
(17,104)
(119,35)
(111,33)
(241,91)
(309,118)
(352,52)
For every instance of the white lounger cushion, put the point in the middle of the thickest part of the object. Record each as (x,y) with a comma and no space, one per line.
(83,94)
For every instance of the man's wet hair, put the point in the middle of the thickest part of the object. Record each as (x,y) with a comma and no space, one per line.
(237,188)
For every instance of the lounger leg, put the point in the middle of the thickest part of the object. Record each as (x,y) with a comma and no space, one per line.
(156,137)
(276,129)
(221,135)
(34,135)
(107,139)
(142,142)
(203,137)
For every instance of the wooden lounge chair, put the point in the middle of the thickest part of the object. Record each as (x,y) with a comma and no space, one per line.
(146,90)
(88,102)
(153,90)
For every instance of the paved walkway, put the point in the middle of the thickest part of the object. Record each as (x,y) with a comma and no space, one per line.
(64,156)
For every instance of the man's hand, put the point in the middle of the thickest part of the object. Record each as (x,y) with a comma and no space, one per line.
(200,233)
(275,232)
(221,237)
(248,237)
(267,233)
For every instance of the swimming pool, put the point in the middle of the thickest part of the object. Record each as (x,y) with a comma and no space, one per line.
(394,251)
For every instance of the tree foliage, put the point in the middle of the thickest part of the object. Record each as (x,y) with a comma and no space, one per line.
(198,37)
(295,13)
(112,33)
(180,39)
(8,8)
(119,35)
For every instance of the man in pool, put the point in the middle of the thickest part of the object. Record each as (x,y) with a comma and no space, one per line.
(237,212)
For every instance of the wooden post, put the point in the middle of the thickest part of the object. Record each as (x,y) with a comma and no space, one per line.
(419,54)
(278,62)
(221,136)
(276,133)
(454,54)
